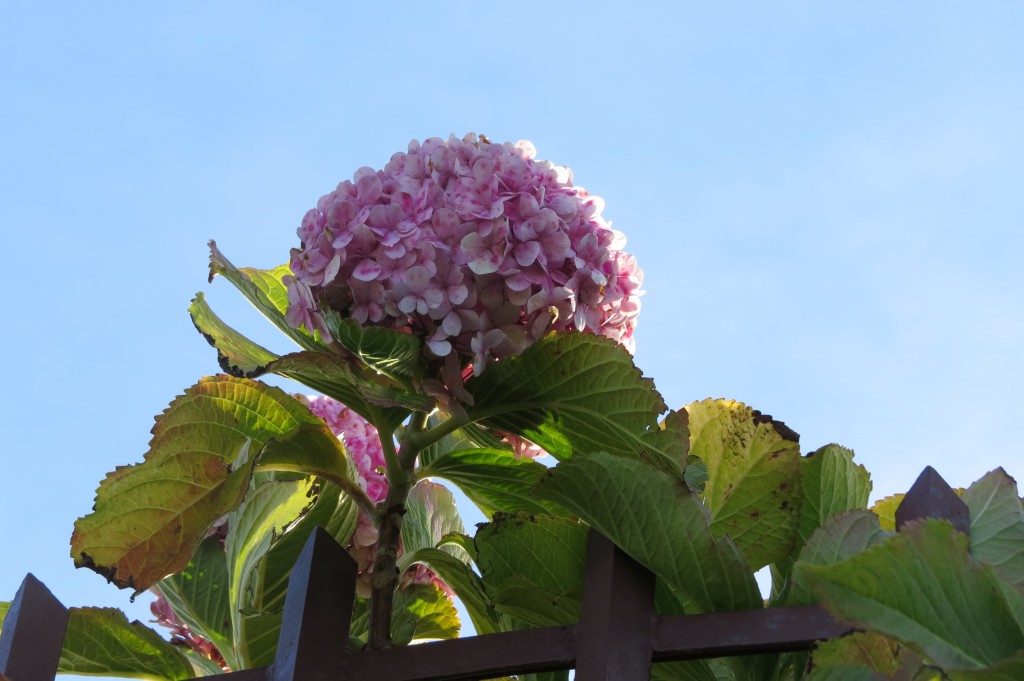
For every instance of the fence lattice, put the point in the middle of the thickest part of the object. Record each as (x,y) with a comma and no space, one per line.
(618,637)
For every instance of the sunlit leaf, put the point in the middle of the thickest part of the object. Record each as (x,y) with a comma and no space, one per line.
(832,483)
(262,602)
(199,596)
(576,393)
(101,642)
(236,354)
(387,351)
(885,509)
(266,512)
(466,584)
(430,514)
(313,449)
(421,611)
(268,294)
(493,479)
(149,518)
(326,372)
(659,522)
(754,487)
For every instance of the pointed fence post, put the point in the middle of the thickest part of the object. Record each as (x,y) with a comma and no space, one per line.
(616,616)
(932,497)
(33,634)
(317,614)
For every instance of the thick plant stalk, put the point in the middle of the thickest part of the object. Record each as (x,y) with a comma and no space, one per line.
(401,466)
(385,569)
(389,536)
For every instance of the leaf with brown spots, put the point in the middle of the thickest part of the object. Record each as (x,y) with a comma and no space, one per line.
(754,488)
(149,518)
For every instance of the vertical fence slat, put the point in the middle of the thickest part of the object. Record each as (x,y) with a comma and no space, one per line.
(616,616)
(932,497)
(33,634)
(317,613)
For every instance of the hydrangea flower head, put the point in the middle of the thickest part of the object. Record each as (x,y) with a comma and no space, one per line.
(478,248)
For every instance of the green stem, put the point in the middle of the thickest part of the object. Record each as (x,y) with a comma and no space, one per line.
(408,439)
(425,438)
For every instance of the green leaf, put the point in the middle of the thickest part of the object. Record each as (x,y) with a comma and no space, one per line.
(493,479)
(313,449)
(997,524)
(865,648)
(885,509)
(268,294)
(467,437)
(266,513)
(199,596)
(842,537)
(922,587)
(236,354)
(386,351)
(659,522)
(421,611)
(267,585)
(101,642)
(832,483)
(754,488)
(532,567)
(335,377)
(149,518)
(431,613)
(466,584)
(1010,669)
(326,372)
(576,393)
(431,513)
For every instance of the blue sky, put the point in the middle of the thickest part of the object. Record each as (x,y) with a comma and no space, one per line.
(825,197)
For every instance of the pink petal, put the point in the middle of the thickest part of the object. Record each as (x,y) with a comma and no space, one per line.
(526,253)
(367,270)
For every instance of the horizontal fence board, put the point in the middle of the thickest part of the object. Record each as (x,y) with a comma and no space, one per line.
(467,659)
(722,634)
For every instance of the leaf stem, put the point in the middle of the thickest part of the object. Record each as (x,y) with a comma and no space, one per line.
(425,438)
(410,446)
(387,444)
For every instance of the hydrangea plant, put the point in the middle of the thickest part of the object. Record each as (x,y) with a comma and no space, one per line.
(460,312)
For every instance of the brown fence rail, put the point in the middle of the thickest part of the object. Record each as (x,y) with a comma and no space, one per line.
(618,636)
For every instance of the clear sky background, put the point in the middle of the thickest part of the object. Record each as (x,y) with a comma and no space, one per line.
(826,199)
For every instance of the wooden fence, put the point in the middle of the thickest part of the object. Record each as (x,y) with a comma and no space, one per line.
(618,636)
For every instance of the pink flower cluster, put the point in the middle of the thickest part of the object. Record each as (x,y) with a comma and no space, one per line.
(476,247)
(362,443)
